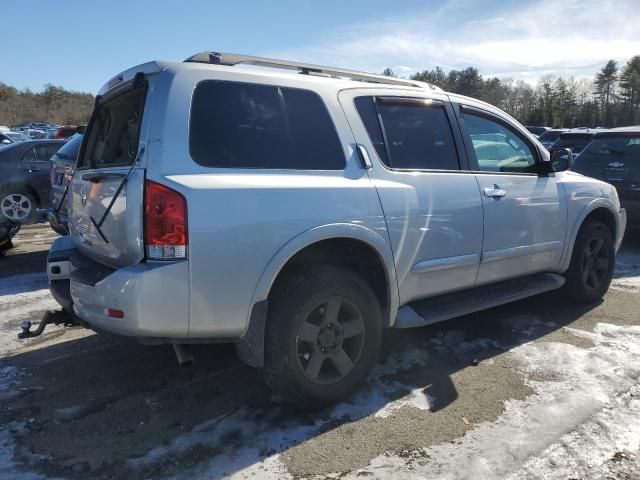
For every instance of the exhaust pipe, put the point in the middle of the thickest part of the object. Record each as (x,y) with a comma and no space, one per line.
(184,357)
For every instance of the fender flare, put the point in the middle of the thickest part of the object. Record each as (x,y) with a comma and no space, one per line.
(250,345)
(571,236)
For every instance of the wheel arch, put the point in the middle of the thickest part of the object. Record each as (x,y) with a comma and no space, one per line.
(599,210)
(250,345)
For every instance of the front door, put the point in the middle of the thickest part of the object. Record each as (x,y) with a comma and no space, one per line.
(35,162)
(524,213)
(432,206)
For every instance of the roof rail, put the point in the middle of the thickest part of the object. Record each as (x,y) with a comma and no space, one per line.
(231,59)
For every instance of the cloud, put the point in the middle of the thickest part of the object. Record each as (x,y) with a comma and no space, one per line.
(568,38)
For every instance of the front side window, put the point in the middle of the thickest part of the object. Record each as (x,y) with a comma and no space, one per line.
(241,125)
(498,148)
(417,133)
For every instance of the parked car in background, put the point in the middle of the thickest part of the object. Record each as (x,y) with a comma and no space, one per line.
(8,137)
(550,136)
(537,131)
(63,164)
(614,157)
(19,136)
(298,215)
(575,140)
(65,131)
(25,179)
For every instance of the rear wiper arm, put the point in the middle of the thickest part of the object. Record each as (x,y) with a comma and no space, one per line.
(123,182)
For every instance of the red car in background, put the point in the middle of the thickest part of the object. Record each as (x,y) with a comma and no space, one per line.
(66,131)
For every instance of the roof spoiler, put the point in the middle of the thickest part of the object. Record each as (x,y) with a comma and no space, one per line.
(232,59)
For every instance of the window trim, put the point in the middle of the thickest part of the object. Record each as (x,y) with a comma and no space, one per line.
(474,166)
(402,100)
(345,158)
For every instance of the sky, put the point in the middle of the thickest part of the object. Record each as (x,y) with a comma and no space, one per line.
(81,44)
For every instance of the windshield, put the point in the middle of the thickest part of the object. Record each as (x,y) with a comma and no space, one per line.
(70,149)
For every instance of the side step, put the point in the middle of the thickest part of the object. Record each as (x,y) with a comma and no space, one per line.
(451,305)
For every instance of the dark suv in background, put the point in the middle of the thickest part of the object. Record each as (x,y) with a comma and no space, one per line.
(63,164)
(614,156)
(575,140)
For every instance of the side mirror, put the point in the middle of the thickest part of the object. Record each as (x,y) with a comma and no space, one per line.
(561,159)
(5,142)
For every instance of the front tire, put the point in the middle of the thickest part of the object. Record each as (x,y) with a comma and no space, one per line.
(323,336)
(592,264)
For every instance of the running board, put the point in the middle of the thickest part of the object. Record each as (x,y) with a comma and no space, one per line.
(451,305)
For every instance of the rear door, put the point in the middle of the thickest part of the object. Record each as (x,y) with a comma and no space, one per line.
(107,189)
(431,201)
(524,212)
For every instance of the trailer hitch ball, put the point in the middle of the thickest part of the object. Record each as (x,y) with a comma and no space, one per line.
(26,329)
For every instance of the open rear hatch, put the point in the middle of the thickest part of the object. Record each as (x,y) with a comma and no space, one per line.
(108,186)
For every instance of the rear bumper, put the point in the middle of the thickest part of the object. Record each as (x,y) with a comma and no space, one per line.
(154,298)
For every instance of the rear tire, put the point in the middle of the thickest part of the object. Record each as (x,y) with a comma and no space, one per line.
(17,205)
(592,263)
(323,336)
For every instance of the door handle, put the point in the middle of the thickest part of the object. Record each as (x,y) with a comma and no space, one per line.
(364,156)
(495,192)
(31,170)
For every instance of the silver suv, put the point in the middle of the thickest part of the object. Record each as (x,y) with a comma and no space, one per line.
(297,210)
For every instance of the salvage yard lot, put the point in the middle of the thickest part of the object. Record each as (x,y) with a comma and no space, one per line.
(536,389)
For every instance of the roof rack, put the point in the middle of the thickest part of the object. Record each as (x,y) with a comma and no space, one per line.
(231,59)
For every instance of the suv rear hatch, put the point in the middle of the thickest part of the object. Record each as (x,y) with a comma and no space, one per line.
(108,186)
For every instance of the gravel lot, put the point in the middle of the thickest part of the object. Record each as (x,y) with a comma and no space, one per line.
(536,389)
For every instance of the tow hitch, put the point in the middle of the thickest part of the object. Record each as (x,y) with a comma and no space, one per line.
(58,317)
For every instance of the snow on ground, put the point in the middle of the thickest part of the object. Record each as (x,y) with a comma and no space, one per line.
(587,411)
(9,384)
(22,297)
(250,431)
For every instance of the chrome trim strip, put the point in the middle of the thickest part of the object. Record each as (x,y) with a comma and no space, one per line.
(445,263)
(506,253)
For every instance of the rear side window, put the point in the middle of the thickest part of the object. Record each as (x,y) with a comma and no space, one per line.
(409,134)
(240,125)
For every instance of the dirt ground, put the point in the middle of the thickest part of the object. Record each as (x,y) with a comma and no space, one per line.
(536,389)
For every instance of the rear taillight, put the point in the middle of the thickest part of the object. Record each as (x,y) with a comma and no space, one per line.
(165,223)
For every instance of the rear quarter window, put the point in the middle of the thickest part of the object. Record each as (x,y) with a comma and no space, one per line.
(241,125)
